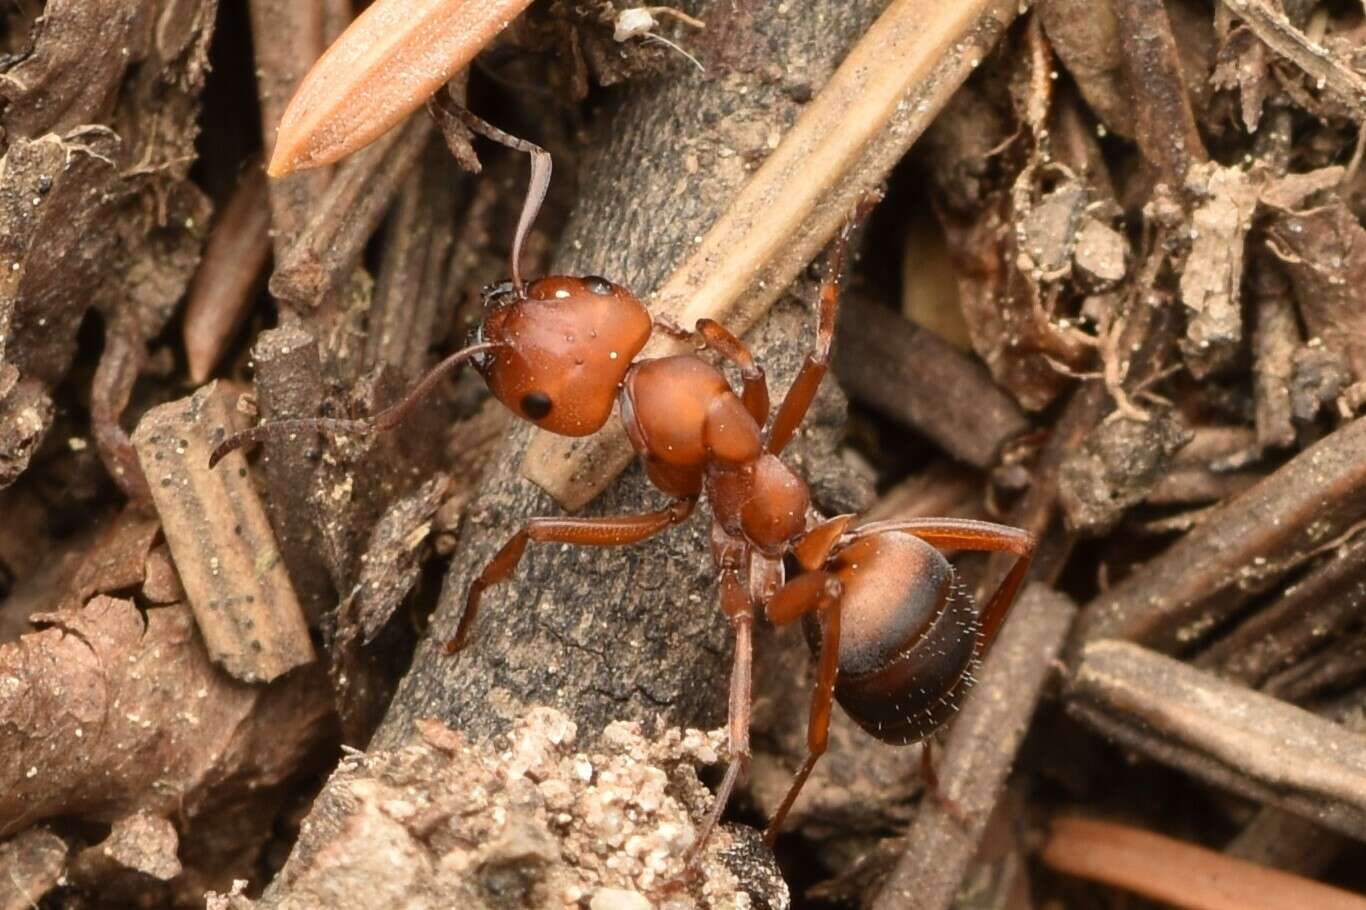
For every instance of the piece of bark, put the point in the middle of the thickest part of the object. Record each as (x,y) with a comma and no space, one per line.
(979,753)
(1181,874)
(160,583)
(1085,36)
(999,281)
(1320,376)
(289,383)
(141,843)
(112,710)
(912,375)
(76,66)
(843,144)
(539,820)
(118,561)
(1241,549)
(123,357)
(1164,123)
(96,209)
(409,287)
(1118,465)
(1239,740)
(625,633)
(222,543)
(362,678)
(391,562)
(1271,25)
(31,864)
(60,246)
(287,37)
(26,414)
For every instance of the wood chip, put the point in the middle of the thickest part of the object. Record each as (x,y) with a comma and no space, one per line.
(223,546)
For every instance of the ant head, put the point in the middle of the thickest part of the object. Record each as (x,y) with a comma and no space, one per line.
(562,350)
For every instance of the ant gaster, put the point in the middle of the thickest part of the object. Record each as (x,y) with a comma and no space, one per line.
(896,634)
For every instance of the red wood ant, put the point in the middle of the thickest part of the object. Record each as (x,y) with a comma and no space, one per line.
(896,634)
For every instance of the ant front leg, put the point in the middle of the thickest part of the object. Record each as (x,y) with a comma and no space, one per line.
(604,531)
(802,392)
(819,591)
(720,339)
(967,534)
(755,393)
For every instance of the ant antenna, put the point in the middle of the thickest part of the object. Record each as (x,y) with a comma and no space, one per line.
(385,420)
(446,108)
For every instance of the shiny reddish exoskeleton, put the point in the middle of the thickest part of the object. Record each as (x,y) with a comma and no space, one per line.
(896,634)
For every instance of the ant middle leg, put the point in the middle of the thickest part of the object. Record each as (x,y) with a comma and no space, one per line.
(819,591)
(603,531)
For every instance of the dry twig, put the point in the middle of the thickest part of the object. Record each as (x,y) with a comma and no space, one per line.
(879,101)
(1181,874)
(1234,738)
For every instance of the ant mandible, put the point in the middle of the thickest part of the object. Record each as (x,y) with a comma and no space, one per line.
(895,632)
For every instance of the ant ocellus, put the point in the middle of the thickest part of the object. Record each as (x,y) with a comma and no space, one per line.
(895,633)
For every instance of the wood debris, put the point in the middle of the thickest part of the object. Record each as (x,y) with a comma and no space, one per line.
(224,550)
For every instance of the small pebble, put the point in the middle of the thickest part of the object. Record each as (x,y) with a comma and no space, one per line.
(618,899)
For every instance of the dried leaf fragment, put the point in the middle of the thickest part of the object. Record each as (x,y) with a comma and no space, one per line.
(1324,252)
(1210,283)
(113,710)
(381,69)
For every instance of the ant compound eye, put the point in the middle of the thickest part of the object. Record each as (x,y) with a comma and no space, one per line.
(597,284)
(536,405)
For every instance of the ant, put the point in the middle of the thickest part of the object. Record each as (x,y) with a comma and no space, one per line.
(895,632)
